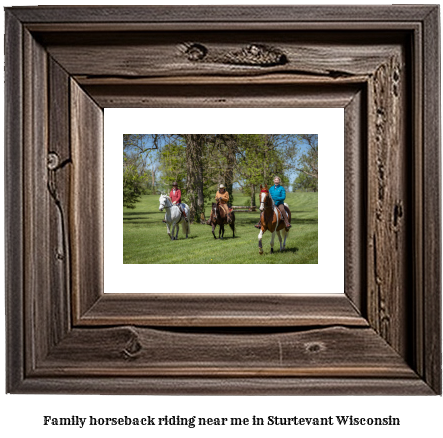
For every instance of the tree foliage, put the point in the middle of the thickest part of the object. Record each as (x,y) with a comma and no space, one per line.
(200,162)
(134,179)
(308,161)
(305,182)
(172,164)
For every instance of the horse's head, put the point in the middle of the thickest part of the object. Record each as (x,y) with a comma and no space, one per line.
(163,202)
(264,197)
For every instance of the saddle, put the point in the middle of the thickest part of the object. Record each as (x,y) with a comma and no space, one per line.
(182,212)
(280,214)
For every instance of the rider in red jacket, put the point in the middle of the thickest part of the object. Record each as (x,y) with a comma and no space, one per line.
(176,194)
(176,198)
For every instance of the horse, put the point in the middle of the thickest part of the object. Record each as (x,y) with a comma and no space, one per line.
(270,220)
(174,217)
(218,217)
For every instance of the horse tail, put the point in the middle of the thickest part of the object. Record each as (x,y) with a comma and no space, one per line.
(232,224)
(289,213)
(187,224)
(186,227)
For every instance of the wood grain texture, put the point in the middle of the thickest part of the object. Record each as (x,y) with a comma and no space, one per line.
(226,386)
(129,351)
(67,70)
(59,180)
(388,204)
(86,208)
(355,195)
(14,239)
(417,245)
(167,54)
(431,319)
(227,14)
(38,311)
(239,310)
(226,96)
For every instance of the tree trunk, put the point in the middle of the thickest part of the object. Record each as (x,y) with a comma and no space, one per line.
(194,167)
(153,180)
(199,183)
(253,195)
(230,158)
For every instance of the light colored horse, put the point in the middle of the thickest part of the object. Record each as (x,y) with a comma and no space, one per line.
(174,217)
(270,220)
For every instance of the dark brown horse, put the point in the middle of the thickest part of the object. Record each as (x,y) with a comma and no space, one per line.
(271,220)
(218,217)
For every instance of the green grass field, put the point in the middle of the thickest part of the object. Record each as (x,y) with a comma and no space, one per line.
(145,239)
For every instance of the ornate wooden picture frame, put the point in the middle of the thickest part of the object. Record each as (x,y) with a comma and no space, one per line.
(64,65)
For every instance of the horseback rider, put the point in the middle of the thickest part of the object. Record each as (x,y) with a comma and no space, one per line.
(222,196)
(176,198)
(278,195)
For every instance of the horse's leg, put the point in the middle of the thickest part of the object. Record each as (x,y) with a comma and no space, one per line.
(177,226)
(272,242)
(167,229)
(175,233)
(213,229)
(279,238)
(260,245)
(221,231)
(285,235)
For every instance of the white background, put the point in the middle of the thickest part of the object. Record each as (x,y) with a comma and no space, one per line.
(325,277)
(21,415)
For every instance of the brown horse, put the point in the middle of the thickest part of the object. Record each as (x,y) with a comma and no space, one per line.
(218,217)
(271,220)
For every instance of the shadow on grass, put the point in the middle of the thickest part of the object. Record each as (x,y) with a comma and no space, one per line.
(304,221)
(227,237)
(183,238)
(294,221)
(293,250)
(142,220)
(138,222)
(140,213)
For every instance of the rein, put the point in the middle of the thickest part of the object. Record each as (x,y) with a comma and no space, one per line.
(169,206)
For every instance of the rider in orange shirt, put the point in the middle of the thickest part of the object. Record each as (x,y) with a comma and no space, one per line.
(223,196)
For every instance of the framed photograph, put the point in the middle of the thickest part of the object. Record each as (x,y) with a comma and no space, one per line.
(317,232)
(380,64)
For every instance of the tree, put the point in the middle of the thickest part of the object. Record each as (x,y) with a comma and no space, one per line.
(250,163)
(304,181)
(260,158)
(228,148)
(308,161)
(172,166)
(194,170)
(133,180)
(146,147)
(202,161)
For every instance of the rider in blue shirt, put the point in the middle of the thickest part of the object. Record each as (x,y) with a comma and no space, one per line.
(278,195)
